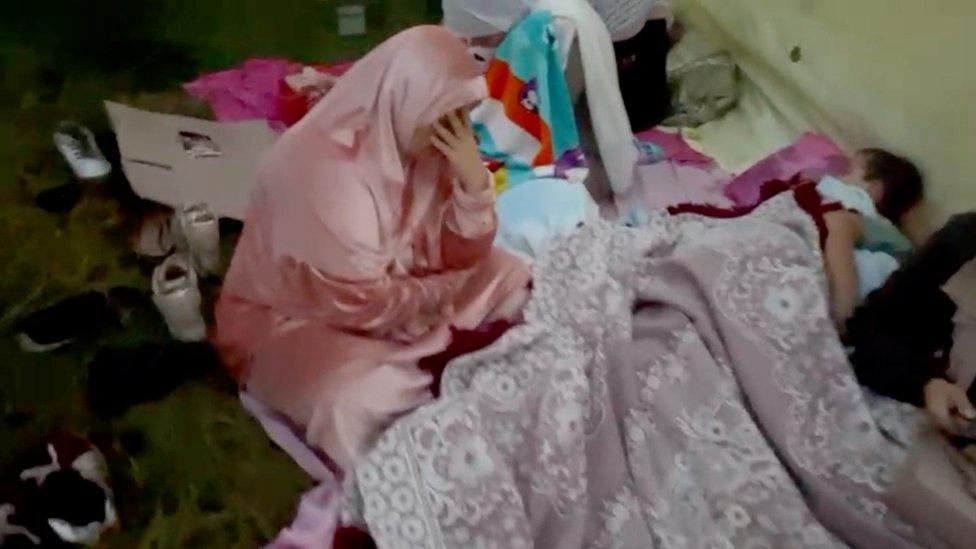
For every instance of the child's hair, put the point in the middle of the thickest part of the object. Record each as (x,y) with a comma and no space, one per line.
(900,179)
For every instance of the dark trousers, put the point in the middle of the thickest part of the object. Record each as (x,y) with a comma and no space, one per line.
(642,70)
(902,334)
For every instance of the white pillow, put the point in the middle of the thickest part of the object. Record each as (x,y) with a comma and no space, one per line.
(532,213)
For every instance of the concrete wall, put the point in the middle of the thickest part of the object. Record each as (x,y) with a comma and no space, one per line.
(893,73)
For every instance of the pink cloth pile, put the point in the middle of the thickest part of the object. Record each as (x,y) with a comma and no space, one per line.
(683,176)
(257,90)
(812,156)
(687,176)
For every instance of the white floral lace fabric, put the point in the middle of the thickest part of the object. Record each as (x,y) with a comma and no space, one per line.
(677,385)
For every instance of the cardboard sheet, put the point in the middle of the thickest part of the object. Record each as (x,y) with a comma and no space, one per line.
(177,160)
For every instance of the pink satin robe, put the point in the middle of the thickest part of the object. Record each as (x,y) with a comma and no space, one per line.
(343,372)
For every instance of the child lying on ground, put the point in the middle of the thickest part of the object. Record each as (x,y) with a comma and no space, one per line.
(902,335)
(875,196)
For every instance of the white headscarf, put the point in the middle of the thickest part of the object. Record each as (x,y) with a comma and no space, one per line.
(608,116)
(625,18)
(475,18)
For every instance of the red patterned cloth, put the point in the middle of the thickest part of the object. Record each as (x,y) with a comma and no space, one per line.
(462,343)
(350,537)
(804,190)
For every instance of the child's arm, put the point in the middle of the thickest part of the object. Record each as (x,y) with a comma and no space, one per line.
(844,229)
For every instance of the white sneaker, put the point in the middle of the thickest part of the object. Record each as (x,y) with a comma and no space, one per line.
(76,144)
(196,230)
(176,295)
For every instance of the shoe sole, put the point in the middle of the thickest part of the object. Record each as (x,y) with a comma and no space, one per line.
(28,345)
(94,178)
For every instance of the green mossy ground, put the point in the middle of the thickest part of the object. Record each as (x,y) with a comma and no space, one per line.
(194,470)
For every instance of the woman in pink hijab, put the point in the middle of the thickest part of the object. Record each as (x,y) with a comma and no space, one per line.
(368,238)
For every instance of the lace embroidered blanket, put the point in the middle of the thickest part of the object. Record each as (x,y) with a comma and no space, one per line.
(676,385)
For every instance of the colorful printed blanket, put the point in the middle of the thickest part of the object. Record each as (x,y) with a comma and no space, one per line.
(526,127)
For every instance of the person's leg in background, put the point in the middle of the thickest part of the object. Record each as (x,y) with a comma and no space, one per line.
(642,69)
(942,255)
(902,335)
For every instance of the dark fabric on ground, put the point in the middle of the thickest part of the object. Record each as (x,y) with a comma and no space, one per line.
(68,496)
(76,316)
(59,200)
(902,335)
(119,378)
(348,537)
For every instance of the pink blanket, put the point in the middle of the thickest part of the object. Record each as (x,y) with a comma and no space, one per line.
(255,90)
(683,176)
(813,156)
(680,383)
(669,183)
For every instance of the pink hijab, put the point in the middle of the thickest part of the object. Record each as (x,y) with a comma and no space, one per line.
(346,224)
(359,255)
(359,136)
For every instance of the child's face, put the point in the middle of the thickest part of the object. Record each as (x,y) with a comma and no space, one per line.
(858,178)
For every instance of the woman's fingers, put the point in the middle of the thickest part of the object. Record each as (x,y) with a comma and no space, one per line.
(445,134)
(455,119)
(465,114)
(440,145)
